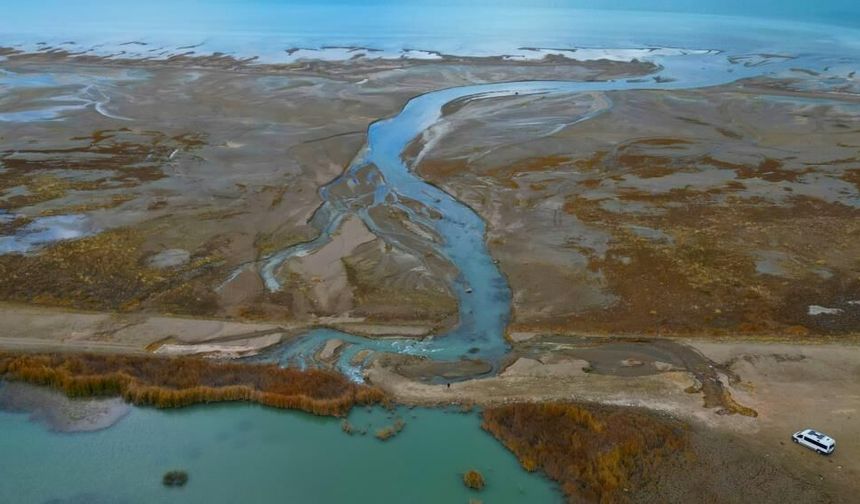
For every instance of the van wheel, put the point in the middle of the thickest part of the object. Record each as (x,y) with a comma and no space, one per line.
(794,439)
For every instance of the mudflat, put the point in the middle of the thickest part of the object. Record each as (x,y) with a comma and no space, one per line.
(691,252)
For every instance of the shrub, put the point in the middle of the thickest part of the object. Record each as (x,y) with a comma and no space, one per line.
(386,433)
(346,427)
(473,479)
(591,451)
(183,381)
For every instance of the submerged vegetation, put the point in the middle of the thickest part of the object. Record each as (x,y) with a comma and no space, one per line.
(388,432)
(183,381)
(175,478)
(594,453)
(473,479)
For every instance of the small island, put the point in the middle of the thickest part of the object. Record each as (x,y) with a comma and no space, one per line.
(473,479)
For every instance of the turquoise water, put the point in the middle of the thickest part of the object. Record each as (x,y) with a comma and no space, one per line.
(244,453)
(266,28)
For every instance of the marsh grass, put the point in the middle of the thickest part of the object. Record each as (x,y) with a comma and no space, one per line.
(183,381)
(594,453)
(388,432)
(107,271)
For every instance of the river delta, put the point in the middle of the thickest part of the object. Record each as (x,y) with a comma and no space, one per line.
(670,227)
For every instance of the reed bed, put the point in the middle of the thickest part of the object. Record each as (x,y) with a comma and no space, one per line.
(595,453)
(183,381)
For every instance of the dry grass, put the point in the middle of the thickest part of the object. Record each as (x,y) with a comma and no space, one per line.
(43,187)
(175,478)
(388,432)
(594,453)
(536,164)
(105,272)
(100,204)
(183,381)
(127,157)
(702,270)
(852,176)
(703,277)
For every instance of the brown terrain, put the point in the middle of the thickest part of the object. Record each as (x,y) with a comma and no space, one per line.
(183,381)
(726,211)
(204,165)
(692,267)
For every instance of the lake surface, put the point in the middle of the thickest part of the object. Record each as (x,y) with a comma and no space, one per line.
(268,28)
(245,453)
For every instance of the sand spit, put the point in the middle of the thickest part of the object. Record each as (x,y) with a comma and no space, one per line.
(234,349)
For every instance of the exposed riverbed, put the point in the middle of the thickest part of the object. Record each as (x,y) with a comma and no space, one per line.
(380,177)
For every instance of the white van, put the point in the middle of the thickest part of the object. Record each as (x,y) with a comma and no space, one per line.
(815,440)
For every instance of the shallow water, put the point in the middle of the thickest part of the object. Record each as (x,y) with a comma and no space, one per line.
(72,91)
(268,28)
(44,230)
(243,453)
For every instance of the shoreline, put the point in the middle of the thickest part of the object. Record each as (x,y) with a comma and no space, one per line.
(735,444)
(41,328)
(137,336)
(357,67)
(177,382)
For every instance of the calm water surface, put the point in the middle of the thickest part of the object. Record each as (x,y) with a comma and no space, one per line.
(244,453)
